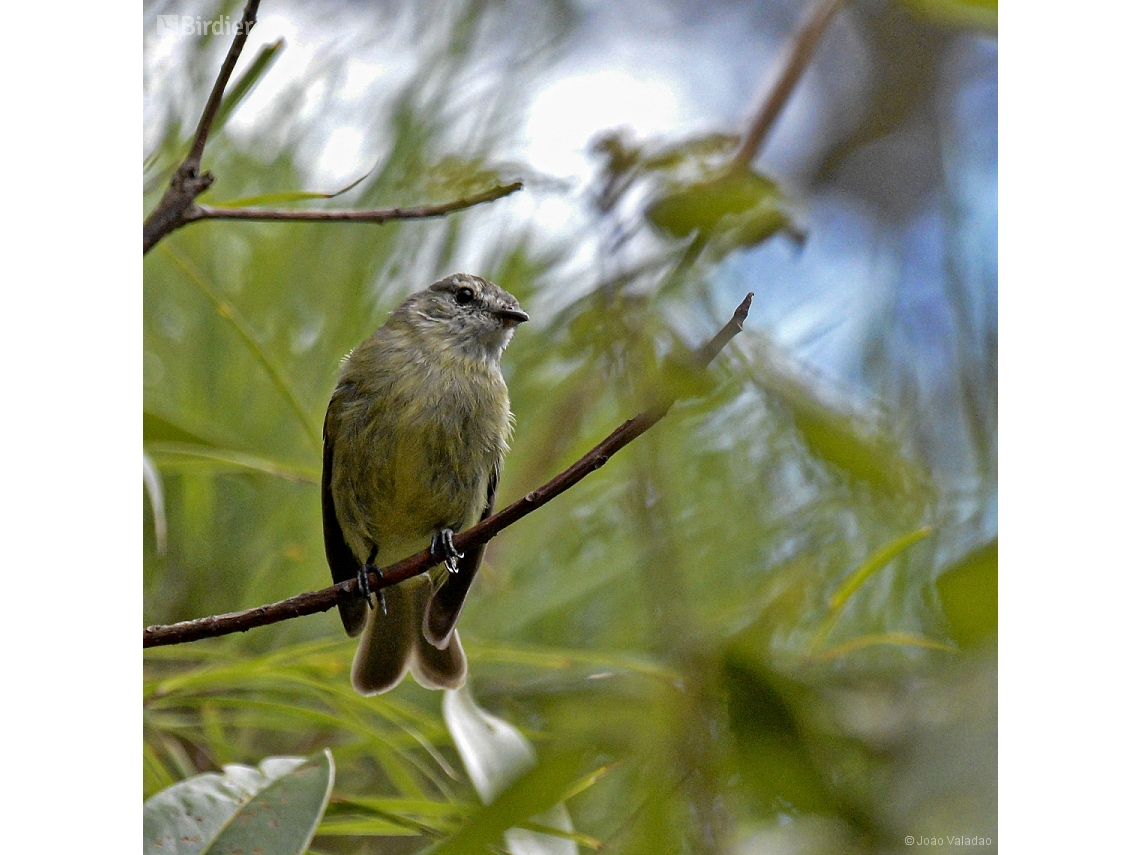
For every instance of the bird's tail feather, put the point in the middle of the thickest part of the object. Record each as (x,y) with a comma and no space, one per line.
(385,649)
(393,642)
(436,666)
(439,669)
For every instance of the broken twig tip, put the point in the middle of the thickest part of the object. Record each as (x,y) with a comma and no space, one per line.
(742,310)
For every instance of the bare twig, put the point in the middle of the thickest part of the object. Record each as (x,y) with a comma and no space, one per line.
(177,207)
(325,599)
(248,20)
(189,181)
(799,53)
(377,215)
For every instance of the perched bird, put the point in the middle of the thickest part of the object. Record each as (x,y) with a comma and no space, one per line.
(414,440)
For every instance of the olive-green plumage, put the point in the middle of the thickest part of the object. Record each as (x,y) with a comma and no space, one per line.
(414,438)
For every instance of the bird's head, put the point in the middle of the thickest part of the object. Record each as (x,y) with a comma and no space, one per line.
(465,313)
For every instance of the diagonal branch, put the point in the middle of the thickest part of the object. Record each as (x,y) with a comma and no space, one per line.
(325,599)
(210,111)
(189,182)
(799,53)
(177,207)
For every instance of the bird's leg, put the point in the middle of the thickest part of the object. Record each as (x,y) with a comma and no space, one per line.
(443,547)
(362,580)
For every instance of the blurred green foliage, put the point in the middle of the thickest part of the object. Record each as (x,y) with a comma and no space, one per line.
(737,630)
(969,594)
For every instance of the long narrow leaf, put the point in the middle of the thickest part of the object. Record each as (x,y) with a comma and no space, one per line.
(883,638)
(859,577)
(534,792)
(874,564)
(288,196)
(241,326)
(174,455)
(256,70)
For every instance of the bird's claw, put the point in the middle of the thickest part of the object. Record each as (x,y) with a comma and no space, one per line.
(443,546)
(366,589)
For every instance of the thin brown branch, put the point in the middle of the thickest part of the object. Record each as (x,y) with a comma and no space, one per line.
(177,207)
(377,215)
(796,60)
(189,182)
(205,124)
(323,600)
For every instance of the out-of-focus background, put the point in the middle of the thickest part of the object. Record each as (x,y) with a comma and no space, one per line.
(769,625)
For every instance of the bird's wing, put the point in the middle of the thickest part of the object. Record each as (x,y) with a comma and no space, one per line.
(342,562)
(445,604)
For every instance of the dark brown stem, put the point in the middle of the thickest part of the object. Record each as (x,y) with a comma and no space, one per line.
(796,61)
(326,598)
(378,215)
(177,207)
(189,181)
(248,20)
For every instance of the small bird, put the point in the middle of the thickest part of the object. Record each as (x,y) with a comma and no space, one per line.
(414,440)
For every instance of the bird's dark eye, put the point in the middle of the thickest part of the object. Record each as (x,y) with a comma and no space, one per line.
(464,296)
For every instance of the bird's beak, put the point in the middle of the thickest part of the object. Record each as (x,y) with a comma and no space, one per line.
(512,317)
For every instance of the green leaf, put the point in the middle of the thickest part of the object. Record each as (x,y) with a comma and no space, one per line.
(531,795)
(853,441)
(589,779)
(299,693)
(288,196)
(900,639)
(453,176)
(176,455)
(970,14)
(754,226)
(563,658)
(237,92)
(574,836)
(692,152)
(283,817)
(969,593)
(156,777)
(230,314)
(860,575)
(273,809)
(750,199)
(278,198)
(874,564)
(158,429)
(840,440)
(773,750)
(374,817)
